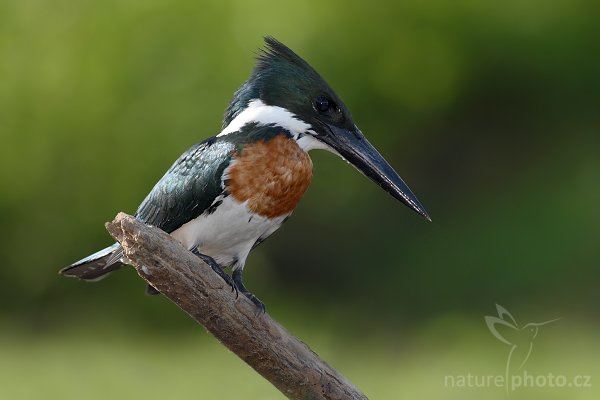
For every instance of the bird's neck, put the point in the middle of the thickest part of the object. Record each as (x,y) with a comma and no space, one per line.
(261,114)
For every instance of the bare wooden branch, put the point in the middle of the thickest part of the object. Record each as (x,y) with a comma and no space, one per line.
(262,343)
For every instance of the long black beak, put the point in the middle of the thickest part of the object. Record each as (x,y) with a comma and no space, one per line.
(356,149)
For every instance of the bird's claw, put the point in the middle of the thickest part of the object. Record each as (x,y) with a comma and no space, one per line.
(230,282)
(260,306)
(239,282)
(217,268)
(235,281)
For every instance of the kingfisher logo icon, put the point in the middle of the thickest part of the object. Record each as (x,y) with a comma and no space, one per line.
(520,338)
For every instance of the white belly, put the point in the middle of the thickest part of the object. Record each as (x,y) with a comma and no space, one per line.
(227,234)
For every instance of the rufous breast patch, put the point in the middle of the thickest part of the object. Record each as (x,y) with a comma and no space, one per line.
(270,175)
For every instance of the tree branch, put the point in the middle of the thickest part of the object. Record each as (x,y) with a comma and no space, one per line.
(261,342)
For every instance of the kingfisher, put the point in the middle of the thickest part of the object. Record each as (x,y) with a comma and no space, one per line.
(227,194)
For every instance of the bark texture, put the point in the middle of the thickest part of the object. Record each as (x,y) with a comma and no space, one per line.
(261,342)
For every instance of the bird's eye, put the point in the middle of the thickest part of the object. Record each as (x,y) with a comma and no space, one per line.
(323,104)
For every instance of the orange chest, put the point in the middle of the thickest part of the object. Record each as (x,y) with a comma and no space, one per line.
(271,176)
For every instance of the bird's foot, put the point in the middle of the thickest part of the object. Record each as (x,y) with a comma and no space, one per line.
(260,306)
(239,282)
(217,268)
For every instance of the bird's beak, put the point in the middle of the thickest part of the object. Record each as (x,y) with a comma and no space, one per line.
(543,323)
(356,149)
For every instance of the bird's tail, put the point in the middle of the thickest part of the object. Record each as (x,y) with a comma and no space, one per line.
(96,266)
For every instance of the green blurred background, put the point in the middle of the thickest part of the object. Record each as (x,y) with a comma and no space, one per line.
(488,109)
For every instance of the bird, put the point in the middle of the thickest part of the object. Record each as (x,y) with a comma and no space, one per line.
(226,194)
(520,338)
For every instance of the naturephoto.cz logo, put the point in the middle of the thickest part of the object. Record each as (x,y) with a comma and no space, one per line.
(520,340)
(521,380)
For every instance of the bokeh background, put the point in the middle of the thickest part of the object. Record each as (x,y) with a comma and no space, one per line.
(488,109)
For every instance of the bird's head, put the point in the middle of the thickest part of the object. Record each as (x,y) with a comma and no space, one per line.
(533,328)
(284,90)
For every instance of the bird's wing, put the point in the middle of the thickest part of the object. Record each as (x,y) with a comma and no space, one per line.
(189,187)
